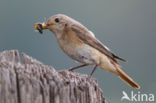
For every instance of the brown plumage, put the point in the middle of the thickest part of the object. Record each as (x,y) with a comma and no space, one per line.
(82,33)
(80,44)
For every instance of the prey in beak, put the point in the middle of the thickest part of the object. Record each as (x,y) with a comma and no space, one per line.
(40,27)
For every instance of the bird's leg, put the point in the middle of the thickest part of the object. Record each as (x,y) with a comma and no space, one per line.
(77,67)
(93,70)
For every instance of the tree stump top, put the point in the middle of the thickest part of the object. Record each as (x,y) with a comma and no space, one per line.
(30,81)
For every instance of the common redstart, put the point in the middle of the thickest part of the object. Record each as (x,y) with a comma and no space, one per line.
(80,44)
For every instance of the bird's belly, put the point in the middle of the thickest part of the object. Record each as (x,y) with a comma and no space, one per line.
(83,53)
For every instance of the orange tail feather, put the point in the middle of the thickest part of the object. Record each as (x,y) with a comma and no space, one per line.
(123,76)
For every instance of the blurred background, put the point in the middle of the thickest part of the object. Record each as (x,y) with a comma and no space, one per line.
(127,27)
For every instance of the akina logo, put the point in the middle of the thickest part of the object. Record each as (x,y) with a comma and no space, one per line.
(137,97)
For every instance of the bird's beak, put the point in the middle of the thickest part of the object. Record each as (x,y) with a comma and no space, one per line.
(40,27)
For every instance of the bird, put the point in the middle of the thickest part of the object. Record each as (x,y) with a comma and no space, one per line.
(81,45)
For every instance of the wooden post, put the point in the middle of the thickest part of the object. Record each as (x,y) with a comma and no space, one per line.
(30,81)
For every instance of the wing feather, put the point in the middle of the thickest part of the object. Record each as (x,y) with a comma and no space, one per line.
(87,38)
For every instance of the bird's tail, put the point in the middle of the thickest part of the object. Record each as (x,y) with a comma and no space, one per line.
(123,76)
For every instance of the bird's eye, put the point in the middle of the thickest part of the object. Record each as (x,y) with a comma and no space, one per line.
(57,20)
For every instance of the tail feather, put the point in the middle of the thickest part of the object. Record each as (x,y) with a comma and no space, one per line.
(123,76)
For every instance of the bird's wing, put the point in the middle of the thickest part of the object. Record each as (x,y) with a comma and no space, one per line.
(87,38)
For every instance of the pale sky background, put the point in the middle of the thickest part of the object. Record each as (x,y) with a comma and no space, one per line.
(127,27)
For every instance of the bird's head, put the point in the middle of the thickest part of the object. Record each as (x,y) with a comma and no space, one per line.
(56,24)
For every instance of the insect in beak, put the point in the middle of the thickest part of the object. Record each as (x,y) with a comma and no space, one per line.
(39,28)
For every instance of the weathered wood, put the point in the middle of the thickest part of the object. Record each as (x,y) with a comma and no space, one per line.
(33,82)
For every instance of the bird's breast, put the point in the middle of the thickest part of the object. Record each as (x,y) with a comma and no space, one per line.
(68,41)
(78,50)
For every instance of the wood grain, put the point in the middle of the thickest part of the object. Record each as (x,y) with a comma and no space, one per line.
(30,81)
